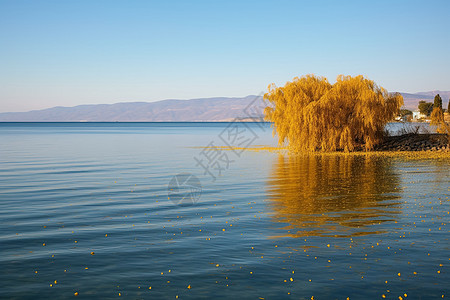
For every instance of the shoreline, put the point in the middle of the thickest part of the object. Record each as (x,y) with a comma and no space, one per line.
(423,142)
(426,145)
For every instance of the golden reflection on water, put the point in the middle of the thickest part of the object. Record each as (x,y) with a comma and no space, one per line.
(333,195)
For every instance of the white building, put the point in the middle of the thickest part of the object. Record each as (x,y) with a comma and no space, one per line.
(418,115)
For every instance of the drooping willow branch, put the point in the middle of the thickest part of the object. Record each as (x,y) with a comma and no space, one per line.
(310,114)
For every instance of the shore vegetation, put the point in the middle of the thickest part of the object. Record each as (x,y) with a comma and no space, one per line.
(311,114)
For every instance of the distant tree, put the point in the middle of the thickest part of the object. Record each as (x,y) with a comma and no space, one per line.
(425,107)
(448,108)
(437,101)
(405,112)
(437,118)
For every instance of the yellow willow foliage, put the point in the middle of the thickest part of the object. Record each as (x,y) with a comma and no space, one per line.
(437,118)
(310,114)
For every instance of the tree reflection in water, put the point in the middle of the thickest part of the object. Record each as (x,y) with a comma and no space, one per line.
(333,195)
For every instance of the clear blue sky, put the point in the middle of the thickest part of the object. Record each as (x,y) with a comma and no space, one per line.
(81,52)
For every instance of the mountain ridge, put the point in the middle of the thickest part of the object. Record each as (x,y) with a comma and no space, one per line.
(171,110)
(202,109)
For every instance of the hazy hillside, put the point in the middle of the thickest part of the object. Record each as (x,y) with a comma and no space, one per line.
(206,109)
(412,100)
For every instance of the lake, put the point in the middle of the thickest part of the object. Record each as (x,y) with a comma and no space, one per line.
(95,210)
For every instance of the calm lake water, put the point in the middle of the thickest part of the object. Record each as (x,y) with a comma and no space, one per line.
(84,208)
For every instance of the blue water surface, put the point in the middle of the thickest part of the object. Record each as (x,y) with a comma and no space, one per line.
(85,211)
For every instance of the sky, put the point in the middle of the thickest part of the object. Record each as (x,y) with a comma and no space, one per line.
(67,53)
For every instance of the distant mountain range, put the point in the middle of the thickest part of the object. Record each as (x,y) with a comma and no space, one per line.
(200,110)
(412,100)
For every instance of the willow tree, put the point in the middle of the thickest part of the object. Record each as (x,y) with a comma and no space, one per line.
(437,119)
(310,114)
